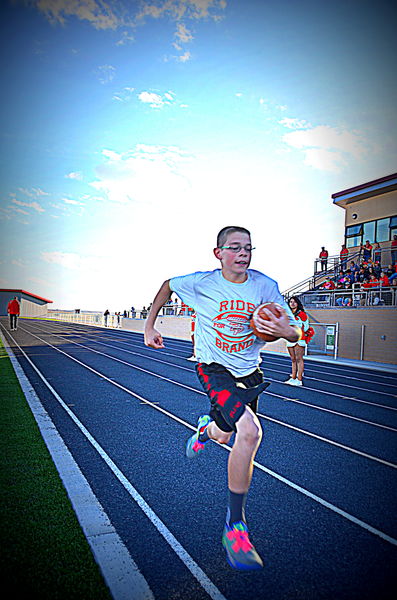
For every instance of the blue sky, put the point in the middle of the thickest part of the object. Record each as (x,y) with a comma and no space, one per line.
(132,132)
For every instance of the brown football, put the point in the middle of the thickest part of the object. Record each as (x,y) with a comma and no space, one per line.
(275,309)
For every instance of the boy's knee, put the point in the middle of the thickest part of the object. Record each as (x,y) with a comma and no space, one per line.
(249,428)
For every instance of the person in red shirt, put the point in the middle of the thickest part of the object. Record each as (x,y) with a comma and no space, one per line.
(14,311)
(343,255)
(383,279)
(324,258)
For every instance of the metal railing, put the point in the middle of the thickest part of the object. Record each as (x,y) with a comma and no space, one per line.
(354,297)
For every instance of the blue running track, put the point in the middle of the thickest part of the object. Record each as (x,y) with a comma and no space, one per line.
(322,505)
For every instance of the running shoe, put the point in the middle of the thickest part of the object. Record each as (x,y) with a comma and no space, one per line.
(297,382)
(290,381)
(240,553)
(193,446)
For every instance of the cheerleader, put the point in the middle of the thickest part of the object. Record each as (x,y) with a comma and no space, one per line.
(296,350)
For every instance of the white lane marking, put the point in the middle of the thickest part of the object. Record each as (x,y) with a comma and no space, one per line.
(328,441)
(119,570)
(345,415)
(323,392)
(291,484)
(334,412)
(189,562)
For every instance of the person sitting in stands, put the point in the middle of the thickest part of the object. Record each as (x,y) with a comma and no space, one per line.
(383,279)
(393,276)
(328,284)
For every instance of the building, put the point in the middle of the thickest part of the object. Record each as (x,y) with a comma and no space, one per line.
(370,214)
(31,305)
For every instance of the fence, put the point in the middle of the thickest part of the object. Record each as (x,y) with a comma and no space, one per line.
(350,297)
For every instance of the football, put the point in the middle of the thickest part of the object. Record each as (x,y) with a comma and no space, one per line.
(275,309)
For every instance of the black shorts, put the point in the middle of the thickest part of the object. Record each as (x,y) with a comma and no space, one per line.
(228,400)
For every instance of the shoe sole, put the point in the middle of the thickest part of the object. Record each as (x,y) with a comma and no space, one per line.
(241,566)
(194,454)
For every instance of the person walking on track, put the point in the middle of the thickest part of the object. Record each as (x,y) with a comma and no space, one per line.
(13,310)
(227,353)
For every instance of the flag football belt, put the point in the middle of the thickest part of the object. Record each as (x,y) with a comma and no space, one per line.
(225,392)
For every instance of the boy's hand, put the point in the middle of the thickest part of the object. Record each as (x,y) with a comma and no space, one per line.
(278,327)
(153,339)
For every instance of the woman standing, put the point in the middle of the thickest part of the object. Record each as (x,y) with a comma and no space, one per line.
(297,349)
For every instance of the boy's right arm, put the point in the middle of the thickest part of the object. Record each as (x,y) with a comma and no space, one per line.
(152,336)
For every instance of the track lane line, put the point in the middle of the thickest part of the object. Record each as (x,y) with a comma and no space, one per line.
(291,484)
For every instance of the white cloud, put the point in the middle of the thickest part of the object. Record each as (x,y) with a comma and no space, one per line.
(184,57)
(73,261)
(33,192)
(142,175)
(183,34)
(75,175)
(34,205)
(327,148)
(294,123)
(125,95)
(105,73)
(156,100)
(97,12)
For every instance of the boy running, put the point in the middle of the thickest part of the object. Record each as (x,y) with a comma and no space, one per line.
(227,352)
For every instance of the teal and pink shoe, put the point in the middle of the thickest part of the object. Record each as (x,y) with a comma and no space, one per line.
(193,446)
(240,553)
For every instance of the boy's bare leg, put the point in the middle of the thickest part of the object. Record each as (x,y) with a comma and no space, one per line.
(248,438)
(241,459)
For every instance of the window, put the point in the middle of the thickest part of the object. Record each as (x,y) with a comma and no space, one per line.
(354,230)
(382,230)
(369,231)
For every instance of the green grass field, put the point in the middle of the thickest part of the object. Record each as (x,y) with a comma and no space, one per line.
(43,549)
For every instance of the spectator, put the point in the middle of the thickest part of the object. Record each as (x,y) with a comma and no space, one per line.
(367,252)
(343,254)
(118,314)
(328,284)
(133,312)
(377,254)
(354,267)
(393,275)
(394,250)
(384,280)
(192,328)
(106,316)
(13,310)
(324,258)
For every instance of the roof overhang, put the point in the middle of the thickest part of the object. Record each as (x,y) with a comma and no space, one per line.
(366,190)
(14,291)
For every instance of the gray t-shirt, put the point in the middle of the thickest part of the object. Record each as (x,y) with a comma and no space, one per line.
(223,310)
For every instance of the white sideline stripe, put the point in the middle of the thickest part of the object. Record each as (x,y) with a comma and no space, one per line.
(296,487)
(328,441)
(119,570)
(187,387)
(189,562)
(327,393)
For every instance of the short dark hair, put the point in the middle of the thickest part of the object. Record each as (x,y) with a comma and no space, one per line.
(222,235)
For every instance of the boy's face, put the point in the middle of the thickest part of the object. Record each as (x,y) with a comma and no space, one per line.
(235,264)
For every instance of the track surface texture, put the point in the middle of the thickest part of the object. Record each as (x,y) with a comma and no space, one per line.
(321,508)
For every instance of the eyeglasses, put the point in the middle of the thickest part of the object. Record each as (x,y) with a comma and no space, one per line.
(237,247)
